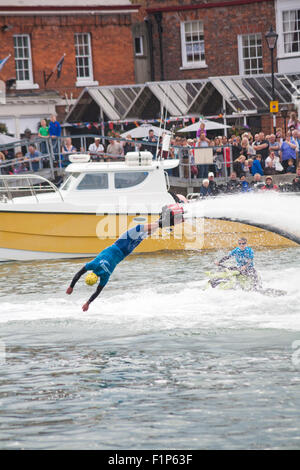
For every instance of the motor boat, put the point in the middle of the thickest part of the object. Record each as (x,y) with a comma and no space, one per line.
(96,203)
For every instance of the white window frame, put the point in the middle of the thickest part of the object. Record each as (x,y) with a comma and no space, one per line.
(25,84)
(185,63)
(89,80)
(141,41)
(241,54)
(281,7)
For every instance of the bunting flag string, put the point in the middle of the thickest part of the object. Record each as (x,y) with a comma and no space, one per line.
(177,121)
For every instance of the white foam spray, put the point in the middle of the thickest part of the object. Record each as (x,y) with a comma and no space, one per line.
(272,210)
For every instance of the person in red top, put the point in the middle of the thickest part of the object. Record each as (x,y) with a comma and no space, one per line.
(268,186)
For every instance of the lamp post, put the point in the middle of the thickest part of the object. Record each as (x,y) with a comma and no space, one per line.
(284,114)
(271,38)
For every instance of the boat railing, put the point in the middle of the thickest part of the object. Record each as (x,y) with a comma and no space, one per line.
(14,186)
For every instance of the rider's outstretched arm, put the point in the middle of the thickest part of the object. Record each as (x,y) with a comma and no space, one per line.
(225,258)
(93,297)
(150,228)
(76,278)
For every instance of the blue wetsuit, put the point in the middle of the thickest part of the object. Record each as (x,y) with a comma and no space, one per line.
(104,263)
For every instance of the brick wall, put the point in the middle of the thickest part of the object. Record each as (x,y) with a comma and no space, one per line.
(51,36)
(222,25)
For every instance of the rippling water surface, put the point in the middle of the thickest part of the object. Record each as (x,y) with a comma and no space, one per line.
(156,362)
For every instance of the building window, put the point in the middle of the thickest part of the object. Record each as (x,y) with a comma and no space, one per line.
(250,54)
(291,31)
(192,44)
(83,57)
(138,45)
(22,51)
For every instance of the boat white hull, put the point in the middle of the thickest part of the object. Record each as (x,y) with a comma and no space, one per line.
(7,254)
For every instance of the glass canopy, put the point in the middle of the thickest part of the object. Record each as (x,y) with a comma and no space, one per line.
(248,93)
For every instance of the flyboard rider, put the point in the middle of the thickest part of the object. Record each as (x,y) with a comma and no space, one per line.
(105,262)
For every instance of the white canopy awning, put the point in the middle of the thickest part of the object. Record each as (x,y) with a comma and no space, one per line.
(143,131)
(209,126)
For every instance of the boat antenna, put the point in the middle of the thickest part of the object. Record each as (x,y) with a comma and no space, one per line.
(163,115)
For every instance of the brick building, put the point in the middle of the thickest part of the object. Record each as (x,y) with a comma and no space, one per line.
(109,45)
(205,58)
(93,38)
(197,39)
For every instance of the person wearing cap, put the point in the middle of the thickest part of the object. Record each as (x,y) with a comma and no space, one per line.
(96,149)
(212,184)
(269,186)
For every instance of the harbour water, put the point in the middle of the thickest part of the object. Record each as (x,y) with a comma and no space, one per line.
(157,362)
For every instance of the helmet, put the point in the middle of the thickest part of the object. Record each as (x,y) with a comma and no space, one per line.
(91,279)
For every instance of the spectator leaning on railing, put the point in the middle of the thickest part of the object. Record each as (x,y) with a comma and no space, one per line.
(115,148)
(128,146)
(67,149)
(152,139)
(96,149)
(20,166)
(33,155)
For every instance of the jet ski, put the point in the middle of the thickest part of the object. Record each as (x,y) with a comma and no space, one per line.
(233,279)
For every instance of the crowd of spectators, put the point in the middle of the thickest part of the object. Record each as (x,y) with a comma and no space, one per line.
(266,155)
(234,185)
(245,154)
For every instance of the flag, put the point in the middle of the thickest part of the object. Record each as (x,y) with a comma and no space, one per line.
(59,66)
(3,62)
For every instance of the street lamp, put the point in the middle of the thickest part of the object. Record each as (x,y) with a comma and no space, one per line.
(271,38)
(284,113)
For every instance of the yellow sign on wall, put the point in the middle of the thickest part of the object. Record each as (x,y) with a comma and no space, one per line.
(274,106)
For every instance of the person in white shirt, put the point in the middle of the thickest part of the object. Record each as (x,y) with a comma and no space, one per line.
(275,161)
(96,149)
